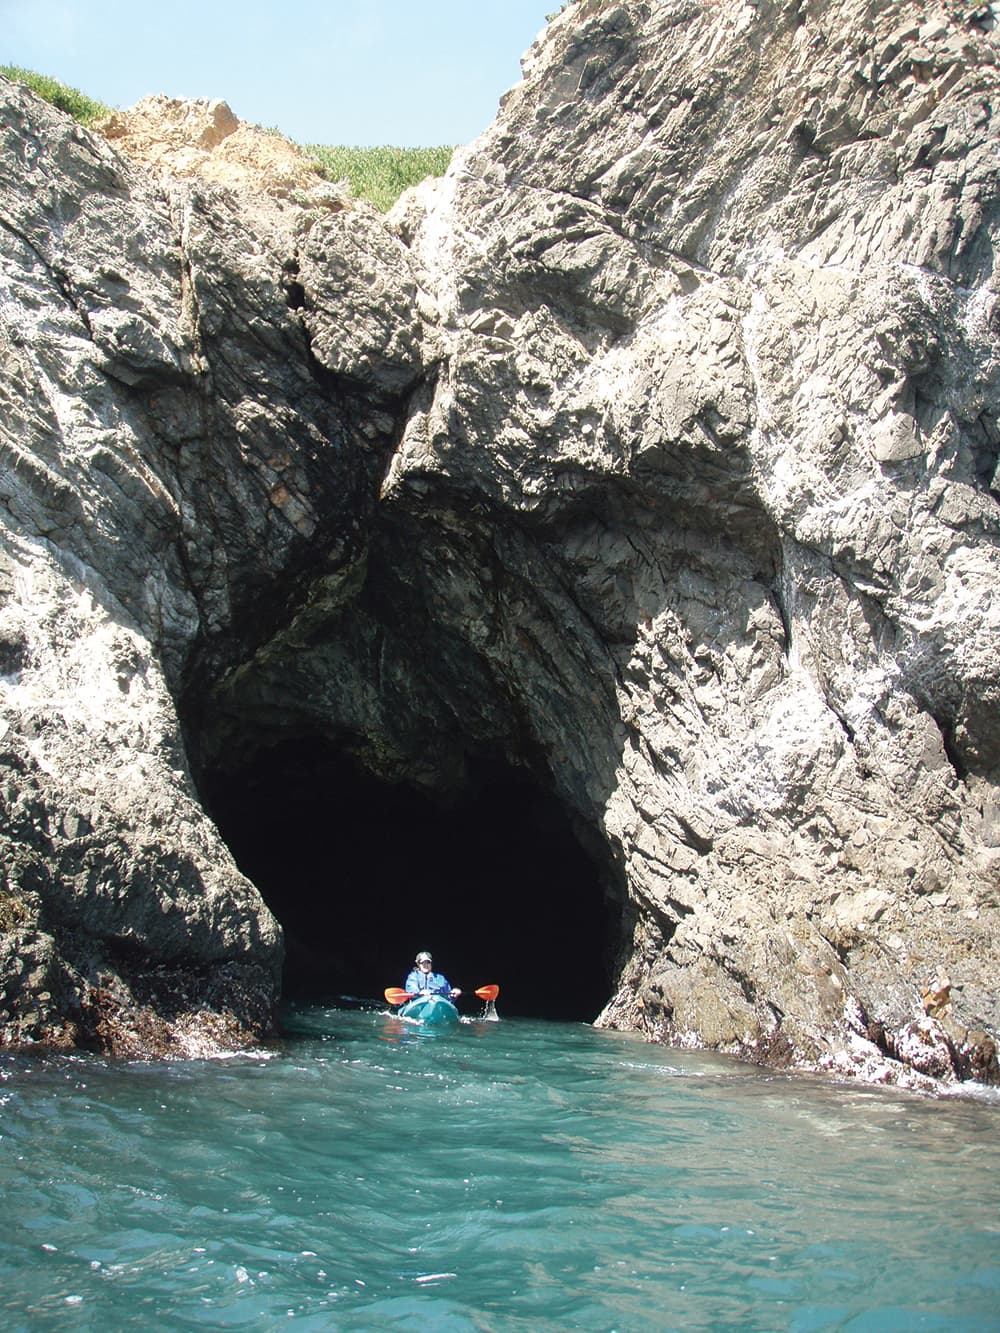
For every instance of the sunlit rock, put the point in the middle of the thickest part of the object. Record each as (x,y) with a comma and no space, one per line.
(652,452)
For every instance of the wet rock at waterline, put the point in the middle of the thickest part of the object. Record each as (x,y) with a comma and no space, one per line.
(654,451)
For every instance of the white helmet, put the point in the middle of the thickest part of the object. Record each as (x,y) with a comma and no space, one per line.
(424,956)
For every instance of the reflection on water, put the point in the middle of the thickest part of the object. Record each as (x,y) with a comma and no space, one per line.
(505,1175)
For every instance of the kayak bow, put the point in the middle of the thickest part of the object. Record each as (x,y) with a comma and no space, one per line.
(433,1010)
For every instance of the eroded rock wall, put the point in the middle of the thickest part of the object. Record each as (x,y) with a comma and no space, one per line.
(176,467)
(653,449)
(719,290)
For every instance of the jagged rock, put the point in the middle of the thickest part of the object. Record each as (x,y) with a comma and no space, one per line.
(655,448)
(716,288)
(171,464)
(922,1044)
(204,139)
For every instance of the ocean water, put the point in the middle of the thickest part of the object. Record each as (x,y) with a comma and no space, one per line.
(512,1175)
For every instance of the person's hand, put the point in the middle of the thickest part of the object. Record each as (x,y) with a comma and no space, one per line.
(455,993)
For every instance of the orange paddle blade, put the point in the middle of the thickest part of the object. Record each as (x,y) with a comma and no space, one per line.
(396,996)
(488,992)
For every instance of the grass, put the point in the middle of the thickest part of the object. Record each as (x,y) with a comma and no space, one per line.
(380,174)
(77,104)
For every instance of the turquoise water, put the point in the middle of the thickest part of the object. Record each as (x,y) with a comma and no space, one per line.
(508,1176)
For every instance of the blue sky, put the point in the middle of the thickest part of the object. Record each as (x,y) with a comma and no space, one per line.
(408,72)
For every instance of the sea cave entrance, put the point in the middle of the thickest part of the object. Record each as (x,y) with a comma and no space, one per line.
(361,874)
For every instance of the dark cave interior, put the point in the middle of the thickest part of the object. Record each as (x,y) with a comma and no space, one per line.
(362,874)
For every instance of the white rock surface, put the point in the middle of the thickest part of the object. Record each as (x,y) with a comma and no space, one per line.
(655,448)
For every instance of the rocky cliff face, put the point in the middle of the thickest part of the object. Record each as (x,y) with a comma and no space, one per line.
(654,449)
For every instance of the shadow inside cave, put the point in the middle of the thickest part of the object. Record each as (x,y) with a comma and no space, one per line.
(362,874)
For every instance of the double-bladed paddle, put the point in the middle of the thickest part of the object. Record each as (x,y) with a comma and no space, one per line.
(397,996)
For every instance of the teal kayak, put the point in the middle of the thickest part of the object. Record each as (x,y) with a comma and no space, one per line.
(434,1010)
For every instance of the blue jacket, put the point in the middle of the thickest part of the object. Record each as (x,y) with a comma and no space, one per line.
(432,981)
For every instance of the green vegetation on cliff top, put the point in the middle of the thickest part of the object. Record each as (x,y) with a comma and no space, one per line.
(71,100)
(379,175)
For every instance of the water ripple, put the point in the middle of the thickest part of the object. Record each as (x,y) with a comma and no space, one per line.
(514,1176)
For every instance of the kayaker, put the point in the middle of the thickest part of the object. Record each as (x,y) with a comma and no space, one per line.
(423,980)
